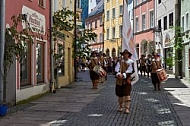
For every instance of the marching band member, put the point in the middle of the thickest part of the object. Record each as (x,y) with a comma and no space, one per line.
(123,88)
(93,75)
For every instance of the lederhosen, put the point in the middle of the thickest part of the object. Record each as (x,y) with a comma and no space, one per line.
(93,75)
(122,87)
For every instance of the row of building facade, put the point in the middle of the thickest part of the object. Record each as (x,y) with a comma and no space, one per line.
(32,76)
(153,23)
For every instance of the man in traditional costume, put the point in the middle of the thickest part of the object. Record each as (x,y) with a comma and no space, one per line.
(142,64)
(156,64)
(123,88)
(93,75)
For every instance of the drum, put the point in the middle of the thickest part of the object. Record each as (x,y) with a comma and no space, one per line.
(99,70)
(161,73)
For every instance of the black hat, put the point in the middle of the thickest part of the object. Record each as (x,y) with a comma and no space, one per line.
(94,52)
(126,51)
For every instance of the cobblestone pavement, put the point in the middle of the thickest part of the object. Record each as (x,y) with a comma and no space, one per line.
(148,108)
(79,105)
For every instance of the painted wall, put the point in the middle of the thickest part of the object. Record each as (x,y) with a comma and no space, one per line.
(98,45)
(110,43)
(29,7)
(166,37)
(68,76)
(147,34)
(186,27)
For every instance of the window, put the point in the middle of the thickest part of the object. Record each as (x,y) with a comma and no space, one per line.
(159,24)
(41,3)
(40,62)
(56,6)
(121,9)
(137,24)
(129,14)
(63,3)
(113,32)
(25,66)
(143,22)
(95,39)
(101,20)
(78,4)
(159,1)
(165,22)
(182,23)
(151,19)
(107,33)
(101,38)
(189,59)
(91,24)
(137,2)
(113,12)
(187,21)
(95,23)
(171,19)
(120,30)
(108,15)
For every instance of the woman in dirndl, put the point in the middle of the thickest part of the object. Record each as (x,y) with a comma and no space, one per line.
(123,87)
(93,75)
(156,64)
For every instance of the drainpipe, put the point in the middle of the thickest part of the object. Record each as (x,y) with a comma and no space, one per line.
(2,46)
(51,46)
(75,35)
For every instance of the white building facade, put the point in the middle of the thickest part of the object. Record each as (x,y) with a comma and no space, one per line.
(165,17)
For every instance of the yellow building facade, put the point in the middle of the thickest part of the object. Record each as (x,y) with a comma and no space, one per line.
(113,11)
(65,71)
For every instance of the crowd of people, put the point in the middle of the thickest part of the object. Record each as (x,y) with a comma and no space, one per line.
(123,68)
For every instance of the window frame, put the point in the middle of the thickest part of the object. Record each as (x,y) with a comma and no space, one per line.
(107,35)
(113,13)
(120,10)
(113,32)
(43,3)
(165,22)
(29,69)
(120,30)
(151,19)
(136,24)
(187,21)
(42,58)
(171,19)
(108,15)
(143,21)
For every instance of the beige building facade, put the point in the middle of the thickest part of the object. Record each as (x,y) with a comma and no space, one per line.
(65,67)
(113,10)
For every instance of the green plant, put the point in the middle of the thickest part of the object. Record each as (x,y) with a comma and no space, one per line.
(62,20)
(82,42)
(169,62)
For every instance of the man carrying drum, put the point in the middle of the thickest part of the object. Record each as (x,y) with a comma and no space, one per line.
(156,64)
(93,75)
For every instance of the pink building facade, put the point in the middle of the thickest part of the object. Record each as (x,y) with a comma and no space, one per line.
(143,26)
(31,76)
(95,22)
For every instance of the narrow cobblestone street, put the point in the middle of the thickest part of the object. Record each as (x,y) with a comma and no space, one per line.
(78,105)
